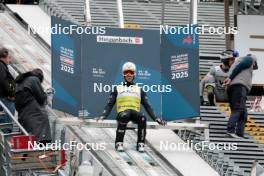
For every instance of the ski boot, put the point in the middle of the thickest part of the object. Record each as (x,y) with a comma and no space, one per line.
(119,146)
(140,147)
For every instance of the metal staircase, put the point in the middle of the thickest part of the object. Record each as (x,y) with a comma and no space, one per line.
(250,149)
(227,162)
(17,158)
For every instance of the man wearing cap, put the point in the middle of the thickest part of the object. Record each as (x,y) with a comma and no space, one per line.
(239,85)
(128,99)
(213,81)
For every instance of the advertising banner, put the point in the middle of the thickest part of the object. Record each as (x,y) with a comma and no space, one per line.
(103,58)
(180,69)
(167,70)
(66,68)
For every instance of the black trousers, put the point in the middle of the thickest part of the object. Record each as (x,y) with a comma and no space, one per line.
(237,99)
(136,117)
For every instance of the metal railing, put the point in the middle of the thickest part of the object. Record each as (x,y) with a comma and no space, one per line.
(13,118)
(87,13)
(120,13)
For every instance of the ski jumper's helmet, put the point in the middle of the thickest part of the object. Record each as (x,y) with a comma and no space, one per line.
(129,67)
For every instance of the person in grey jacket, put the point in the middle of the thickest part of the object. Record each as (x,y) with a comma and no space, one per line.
(239,85)
(213,81)
(30,104)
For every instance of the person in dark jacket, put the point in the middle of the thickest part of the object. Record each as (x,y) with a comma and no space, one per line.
(7,87)
(30,104)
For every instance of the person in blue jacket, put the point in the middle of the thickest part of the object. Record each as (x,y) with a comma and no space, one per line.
(239,85)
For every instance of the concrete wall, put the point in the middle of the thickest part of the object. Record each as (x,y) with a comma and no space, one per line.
(250,39)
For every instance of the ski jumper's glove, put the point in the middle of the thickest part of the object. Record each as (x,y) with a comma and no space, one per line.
(161,122)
